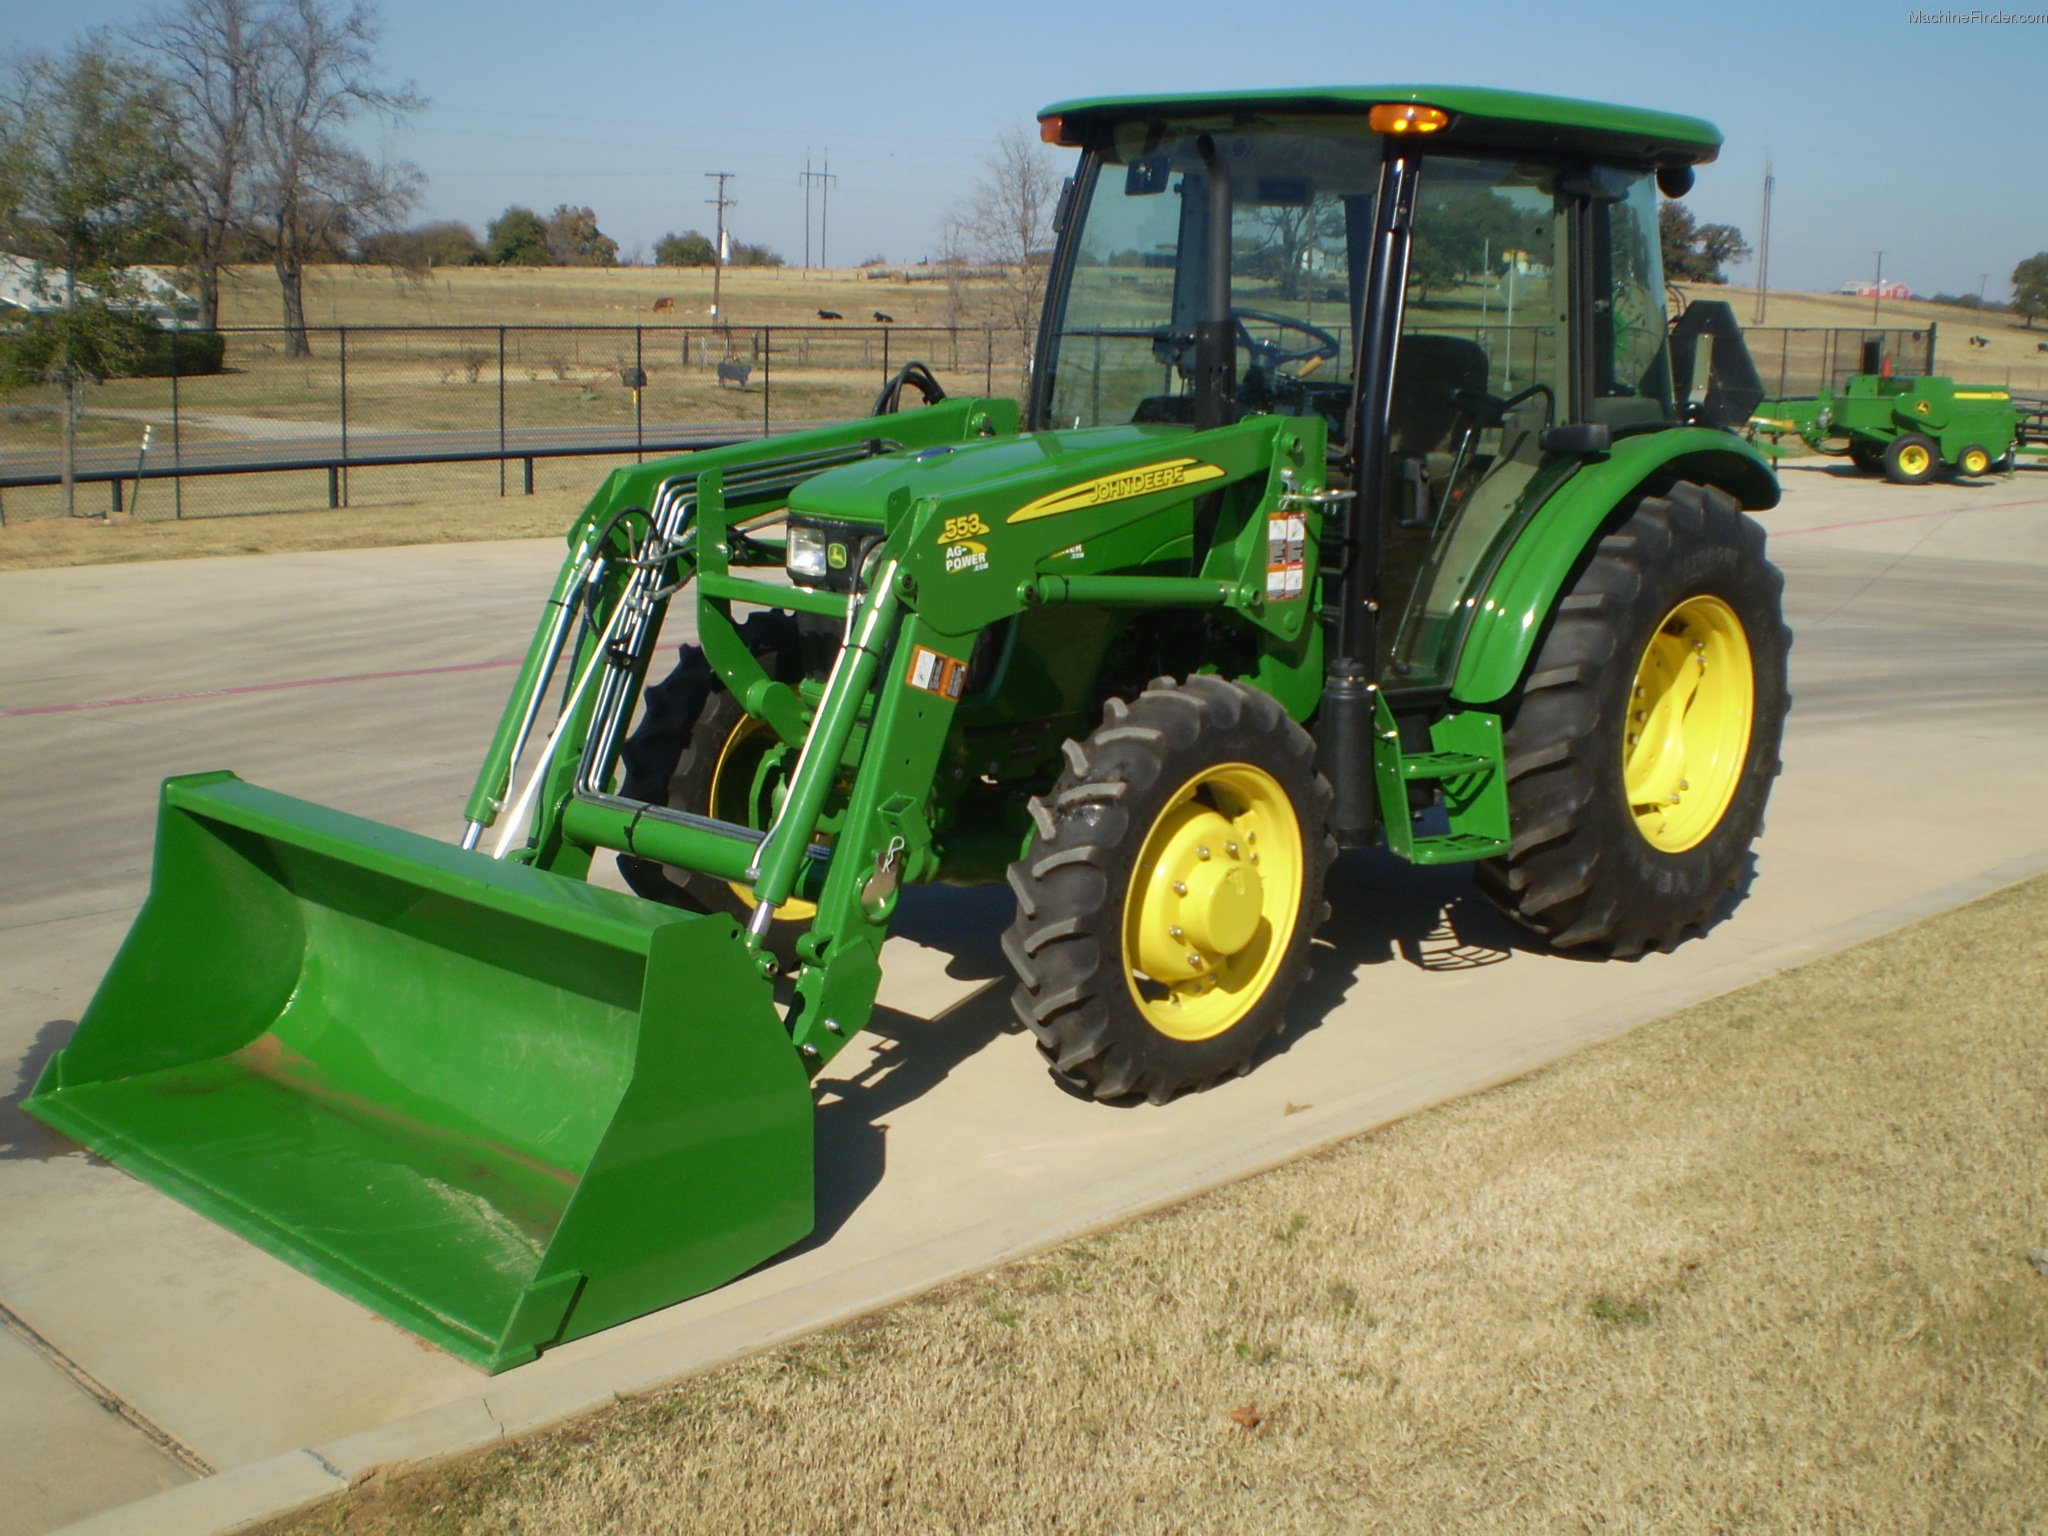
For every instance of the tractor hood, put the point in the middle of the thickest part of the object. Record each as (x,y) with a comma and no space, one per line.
(874,489)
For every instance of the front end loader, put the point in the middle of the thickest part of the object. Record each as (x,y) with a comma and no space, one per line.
(1356,501)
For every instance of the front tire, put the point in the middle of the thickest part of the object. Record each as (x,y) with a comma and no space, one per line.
(1643,745)
(696,749)
(1166,901)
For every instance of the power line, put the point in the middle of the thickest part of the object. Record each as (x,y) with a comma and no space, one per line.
(721,203)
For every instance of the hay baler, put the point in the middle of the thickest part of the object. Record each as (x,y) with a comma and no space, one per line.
(1906,429)
(1354,502)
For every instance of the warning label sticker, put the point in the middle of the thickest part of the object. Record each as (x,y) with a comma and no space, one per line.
(1286,556)
(937,674)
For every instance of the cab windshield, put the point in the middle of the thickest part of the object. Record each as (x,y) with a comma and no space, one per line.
(1301,226)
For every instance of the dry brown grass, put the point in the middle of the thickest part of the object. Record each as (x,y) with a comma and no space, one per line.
(342,295)
(50,541)
(1759,1266)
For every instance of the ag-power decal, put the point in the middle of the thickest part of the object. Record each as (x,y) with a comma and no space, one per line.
(962,538)
(1163,476)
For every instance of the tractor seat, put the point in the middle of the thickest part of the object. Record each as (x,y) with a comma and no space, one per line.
(1428,378)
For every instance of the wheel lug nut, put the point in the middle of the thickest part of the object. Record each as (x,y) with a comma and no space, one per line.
(1255,858)
(1201,853)
(1231,849)
(1251,837)
(1195,960)
(1175,934)
(1180,887)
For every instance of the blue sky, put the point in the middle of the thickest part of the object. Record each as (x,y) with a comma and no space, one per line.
(1921,140)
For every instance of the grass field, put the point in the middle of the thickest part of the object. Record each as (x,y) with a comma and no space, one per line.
(1763,1266)
(432,519)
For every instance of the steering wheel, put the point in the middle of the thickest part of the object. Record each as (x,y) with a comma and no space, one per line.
(1175,348)
(1271,355)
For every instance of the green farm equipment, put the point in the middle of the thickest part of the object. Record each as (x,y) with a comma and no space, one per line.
(1906,429)
(1355,502)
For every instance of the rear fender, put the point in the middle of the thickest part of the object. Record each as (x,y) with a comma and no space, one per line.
(1518,597)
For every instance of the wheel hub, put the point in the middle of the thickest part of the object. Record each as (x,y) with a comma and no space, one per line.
(1689,715)
(1213,901)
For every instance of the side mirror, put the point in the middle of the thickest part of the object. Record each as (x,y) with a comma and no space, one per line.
(1577,437)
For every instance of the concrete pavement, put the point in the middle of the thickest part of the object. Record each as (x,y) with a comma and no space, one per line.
(1913,780)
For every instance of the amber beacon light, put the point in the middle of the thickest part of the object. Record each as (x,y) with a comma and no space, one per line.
(1406,117)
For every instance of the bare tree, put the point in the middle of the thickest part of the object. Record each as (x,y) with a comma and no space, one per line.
(89,174)
(1007,224)
(314,189)
(211,53)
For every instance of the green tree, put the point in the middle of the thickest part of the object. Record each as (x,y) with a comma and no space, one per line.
(744,255)
(2030,288)
(89,184)
(574,240)
(1695,252)
(689,249)
(518,237)
(440,243)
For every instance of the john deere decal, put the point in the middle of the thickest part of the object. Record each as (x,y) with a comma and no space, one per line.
(1165,476)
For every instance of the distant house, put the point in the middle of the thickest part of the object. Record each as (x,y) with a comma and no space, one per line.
(1866,289)
(29,287)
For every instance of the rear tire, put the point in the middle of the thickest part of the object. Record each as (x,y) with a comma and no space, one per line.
(1866,458)
(1910,459)
(1588,867)
(1973,461)
(1166,901)
(687,724)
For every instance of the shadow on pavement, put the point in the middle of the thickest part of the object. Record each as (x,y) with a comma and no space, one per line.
(24,1138)
(1383,911)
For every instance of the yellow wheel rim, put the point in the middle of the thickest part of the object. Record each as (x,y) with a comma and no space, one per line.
(1975,461)
(732,794)
(1688,724)
(1212,902)
(1913,459)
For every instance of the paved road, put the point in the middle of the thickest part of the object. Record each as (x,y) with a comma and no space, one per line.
(1913,780)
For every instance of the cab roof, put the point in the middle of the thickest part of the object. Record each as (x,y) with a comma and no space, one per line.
(1508,120)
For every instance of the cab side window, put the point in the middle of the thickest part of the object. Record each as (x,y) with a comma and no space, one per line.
(1631,362)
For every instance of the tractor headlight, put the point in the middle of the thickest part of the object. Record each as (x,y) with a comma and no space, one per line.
(827,554)
(807,556)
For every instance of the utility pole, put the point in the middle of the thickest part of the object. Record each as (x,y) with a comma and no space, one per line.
(823,181)
(1877,289)
(826,182)
(721,203)
(1983,282)
(1763,254)
(804,180)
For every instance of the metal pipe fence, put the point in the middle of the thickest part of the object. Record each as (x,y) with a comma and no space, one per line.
(273,431)
(380,414)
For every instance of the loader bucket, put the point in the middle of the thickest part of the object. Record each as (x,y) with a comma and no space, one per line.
(501,1107)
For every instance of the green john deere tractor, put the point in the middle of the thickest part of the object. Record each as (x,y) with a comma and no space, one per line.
(1355,502)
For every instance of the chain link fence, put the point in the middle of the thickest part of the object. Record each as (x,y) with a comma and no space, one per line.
(394,414)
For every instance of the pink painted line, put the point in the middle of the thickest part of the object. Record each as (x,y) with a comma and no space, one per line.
(1904,517)
(221,693)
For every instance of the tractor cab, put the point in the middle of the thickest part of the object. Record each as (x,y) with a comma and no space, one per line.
(1441,276)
